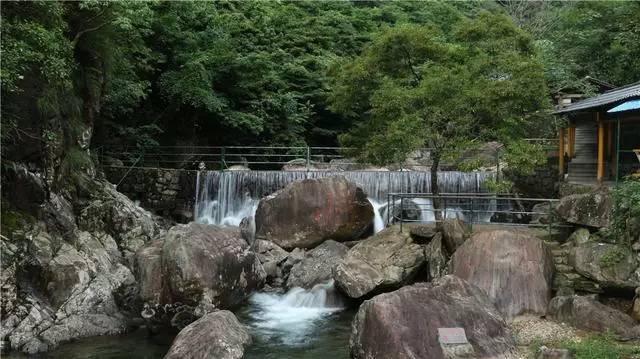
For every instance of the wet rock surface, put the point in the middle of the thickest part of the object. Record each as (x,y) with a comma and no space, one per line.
(514,269)
(306,213)
(380,263)
(404,323)
(317,265)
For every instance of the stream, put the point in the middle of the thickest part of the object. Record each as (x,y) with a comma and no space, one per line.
(299,324)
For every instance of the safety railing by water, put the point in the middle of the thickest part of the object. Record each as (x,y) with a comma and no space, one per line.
(473,208)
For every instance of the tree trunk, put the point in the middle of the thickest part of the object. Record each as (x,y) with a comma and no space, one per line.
(435,189)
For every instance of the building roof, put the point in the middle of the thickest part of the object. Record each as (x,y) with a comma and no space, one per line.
(610,97)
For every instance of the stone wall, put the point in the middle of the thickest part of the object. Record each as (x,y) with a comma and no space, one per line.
(166,192)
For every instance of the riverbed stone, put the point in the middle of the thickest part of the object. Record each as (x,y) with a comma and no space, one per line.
(405,323)
(513,268)
(378,264)
(216,335)
(591,209)
(317,265)
(584,312)
(610,265)
(306,213)
(212,264)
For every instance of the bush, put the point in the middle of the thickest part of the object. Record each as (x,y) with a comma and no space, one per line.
(626,212)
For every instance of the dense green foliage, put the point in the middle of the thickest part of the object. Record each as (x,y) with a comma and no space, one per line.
(420,86)
(626,211)
(296,73)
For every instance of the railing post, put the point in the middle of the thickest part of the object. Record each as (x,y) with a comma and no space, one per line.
(401,210)
(549,217)
(388,207)
(222,158)
(308,158)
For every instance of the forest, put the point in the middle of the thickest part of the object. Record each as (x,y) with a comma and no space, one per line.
(364,74)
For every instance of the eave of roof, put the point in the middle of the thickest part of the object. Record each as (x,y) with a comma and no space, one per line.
(607,98)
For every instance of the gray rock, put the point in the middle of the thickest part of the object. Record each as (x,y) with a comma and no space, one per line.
(591,209)
(423,233)
(610,265)
(589,314)
(513,268)
(580,236)
(454,233)
(381,263)
(306,213)
(216,335)
(551,353)
(112,212)
(248,229)
(148,272)
(209,264)
(317,265)
(435,255)
(404,323)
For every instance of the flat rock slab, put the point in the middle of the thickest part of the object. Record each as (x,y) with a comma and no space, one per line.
(514,269)
(408,322)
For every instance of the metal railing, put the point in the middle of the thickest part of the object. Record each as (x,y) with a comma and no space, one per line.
(224,157)
(474,208)
(254,157)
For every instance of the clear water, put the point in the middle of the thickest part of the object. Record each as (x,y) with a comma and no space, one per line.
(301,324)
(137,345)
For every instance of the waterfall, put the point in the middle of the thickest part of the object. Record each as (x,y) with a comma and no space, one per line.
(227,197)
(292,316)
(378,222)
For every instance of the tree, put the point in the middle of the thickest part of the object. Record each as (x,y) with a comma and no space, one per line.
(416,86)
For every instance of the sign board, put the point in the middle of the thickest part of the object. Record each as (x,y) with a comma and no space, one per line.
(452,336)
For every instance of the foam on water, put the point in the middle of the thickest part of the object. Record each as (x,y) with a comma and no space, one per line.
(290,318)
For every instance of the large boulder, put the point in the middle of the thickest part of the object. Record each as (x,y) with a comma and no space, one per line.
(114,213)
(209,265)
(148,271)
(405,323)
(317,265)
(513,268)
(216,335)
(584,312)
(591,209)
(306,213)
(381,263)
(81,285)
(611,265)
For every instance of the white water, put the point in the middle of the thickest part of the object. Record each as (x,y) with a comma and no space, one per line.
(227,197)
(292,317)
(378,222)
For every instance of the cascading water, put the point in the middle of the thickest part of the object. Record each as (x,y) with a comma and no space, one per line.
(227,197)
(290,318)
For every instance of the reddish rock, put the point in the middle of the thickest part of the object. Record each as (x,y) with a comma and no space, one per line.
(586,313)
(513,268)
(404,323)
(306,213)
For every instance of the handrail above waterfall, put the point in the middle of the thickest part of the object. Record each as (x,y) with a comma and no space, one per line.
(474,208)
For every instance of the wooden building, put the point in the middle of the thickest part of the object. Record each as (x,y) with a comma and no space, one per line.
(601,135)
